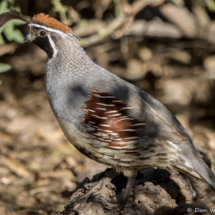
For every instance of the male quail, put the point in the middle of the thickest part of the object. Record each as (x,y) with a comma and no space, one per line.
(104,117)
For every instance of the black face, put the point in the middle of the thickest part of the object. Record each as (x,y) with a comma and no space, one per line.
(40,37)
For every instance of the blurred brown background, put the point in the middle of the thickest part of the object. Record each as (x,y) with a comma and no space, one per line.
(166,48)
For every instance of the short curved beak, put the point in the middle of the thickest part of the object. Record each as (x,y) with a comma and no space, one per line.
(27,39)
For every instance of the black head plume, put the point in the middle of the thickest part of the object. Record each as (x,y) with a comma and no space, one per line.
(5,17)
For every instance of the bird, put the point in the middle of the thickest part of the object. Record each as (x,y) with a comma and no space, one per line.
(106,118)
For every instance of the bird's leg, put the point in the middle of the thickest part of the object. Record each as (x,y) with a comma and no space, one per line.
(128,189)
(110,205)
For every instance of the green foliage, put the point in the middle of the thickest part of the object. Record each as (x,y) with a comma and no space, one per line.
(211,5)
(4,67)
(62,10)
(9,30)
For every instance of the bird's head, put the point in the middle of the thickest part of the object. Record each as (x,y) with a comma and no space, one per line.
(45,31)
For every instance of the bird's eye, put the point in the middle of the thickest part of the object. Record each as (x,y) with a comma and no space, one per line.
(42,33)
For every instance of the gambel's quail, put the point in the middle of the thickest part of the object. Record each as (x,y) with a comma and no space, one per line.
(104,117)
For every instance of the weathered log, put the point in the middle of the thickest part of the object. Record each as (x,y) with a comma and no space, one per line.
(155,191)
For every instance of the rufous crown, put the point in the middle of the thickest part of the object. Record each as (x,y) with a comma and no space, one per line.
(50,22)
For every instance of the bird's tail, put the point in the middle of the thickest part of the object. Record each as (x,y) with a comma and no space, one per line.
(200,168)
(203,170)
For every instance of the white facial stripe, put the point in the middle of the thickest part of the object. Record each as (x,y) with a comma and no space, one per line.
(48,29)
(53,46)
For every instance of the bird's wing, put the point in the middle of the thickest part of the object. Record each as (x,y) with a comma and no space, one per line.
(115,123)
(162,124)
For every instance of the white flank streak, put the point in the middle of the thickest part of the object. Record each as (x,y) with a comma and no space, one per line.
(49,29)
(118,114)
(105,104)
(118,139)
(126,108)
(99,117)
(139,124)
(91,110)
(116,147)
(113,111)
(53,46)
(108,131)
(92,122)
(114,134)
(101,108)
(104,125)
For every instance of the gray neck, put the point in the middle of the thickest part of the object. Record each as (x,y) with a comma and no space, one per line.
(71,59)
(66,76)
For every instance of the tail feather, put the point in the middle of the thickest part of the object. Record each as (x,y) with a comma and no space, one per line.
(203,170)
(200,168)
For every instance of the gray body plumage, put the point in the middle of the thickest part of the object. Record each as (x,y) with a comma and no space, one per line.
(163,142)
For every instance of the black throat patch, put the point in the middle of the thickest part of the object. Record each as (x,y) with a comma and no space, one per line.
(43,43)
